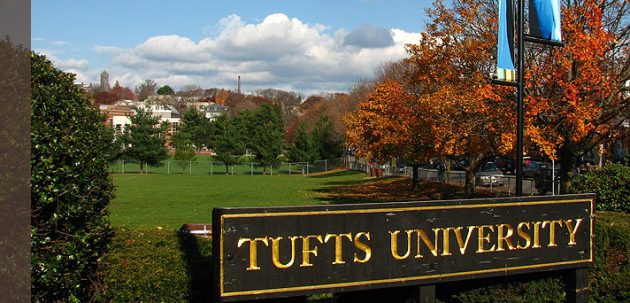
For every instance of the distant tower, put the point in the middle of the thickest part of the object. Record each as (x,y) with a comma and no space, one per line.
(239,85)
(104,81)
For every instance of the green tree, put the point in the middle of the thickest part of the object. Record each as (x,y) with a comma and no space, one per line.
(266,134)
(328,142)
(165,90)
(198,127)
(143,141)
(184,150)
(303,148)
(70,187)
(229,141)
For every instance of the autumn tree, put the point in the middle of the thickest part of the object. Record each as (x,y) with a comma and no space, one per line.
(146,89)
(390,123)
(450,75)
(577,94)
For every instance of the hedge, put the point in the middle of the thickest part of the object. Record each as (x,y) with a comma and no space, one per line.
(70,186)
(611,183)
(151,265)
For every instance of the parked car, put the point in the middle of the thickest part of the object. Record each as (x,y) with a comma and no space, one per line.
(535,169)
(489,175)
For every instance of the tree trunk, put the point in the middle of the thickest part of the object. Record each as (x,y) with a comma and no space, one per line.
(567,165)
(469,188)
(416,176)
(227,169)
(471,172)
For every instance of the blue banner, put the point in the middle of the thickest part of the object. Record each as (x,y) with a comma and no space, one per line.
(505,45)
(544,19)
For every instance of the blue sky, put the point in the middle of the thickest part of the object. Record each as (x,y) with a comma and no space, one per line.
(307,46)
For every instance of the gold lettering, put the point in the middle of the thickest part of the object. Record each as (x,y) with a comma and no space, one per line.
(525,236)
(338,245)
(572,230)
(253,251)
(552,231)
(463,245)
(307,251)
(482,238)
(432,246)
(394,244)
(504,237)
(275,252)
(446,241)
(536,235)
(363,247)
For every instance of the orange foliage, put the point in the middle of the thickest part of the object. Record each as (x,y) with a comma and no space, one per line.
(572,90)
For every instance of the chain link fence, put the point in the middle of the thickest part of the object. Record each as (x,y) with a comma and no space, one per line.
(178,167)
(505,183)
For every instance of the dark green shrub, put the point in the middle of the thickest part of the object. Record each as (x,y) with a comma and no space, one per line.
(70,187)
(611,183)
(152,265)
(610,277)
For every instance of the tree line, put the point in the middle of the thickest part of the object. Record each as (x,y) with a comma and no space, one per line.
(261,132)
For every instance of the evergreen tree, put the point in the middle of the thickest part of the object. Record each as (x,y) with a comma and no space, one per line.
(165,90)
(303,148)
(327,141)
(266,134)
(143,141)
(229,142)
(184,150)
(198,127)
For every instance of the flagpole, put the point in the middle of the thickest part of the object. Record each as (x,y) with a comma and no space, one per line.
(520,95)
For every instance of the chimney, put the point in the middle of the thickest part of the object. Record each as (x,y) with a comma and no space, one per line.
(239,85)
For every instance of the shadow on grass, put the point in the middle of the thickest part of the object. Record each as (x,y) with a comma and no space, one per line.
(335,173)
(198,260)
(389,189)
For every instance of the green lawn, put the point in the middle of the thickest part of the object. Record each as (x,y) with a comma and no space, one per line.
(168,201)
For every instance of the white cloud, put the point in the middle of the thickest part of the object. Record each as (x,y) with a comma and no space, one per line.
(277,52)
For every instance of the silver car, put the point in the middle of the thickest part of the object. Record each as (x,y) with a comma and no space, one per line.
(489,174)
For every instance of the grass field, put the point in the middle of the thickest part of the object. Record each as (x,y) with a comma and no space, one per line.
(168,201)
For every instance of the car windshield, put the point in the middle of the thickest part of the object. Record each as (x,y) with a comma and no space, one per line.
(490,166)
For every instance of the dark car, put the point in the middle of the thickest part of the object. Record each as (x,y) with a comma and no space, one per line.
(535,169)
(489,175)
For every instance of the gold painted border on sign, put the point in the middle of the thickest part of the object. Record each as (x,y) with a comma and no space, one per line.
(397,209)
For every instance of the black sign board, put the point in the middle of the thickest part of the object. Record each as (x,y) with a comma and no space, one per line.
(287,251)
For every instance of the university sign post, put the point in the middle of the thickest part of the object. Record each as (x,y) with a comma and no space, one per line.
(292,251)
